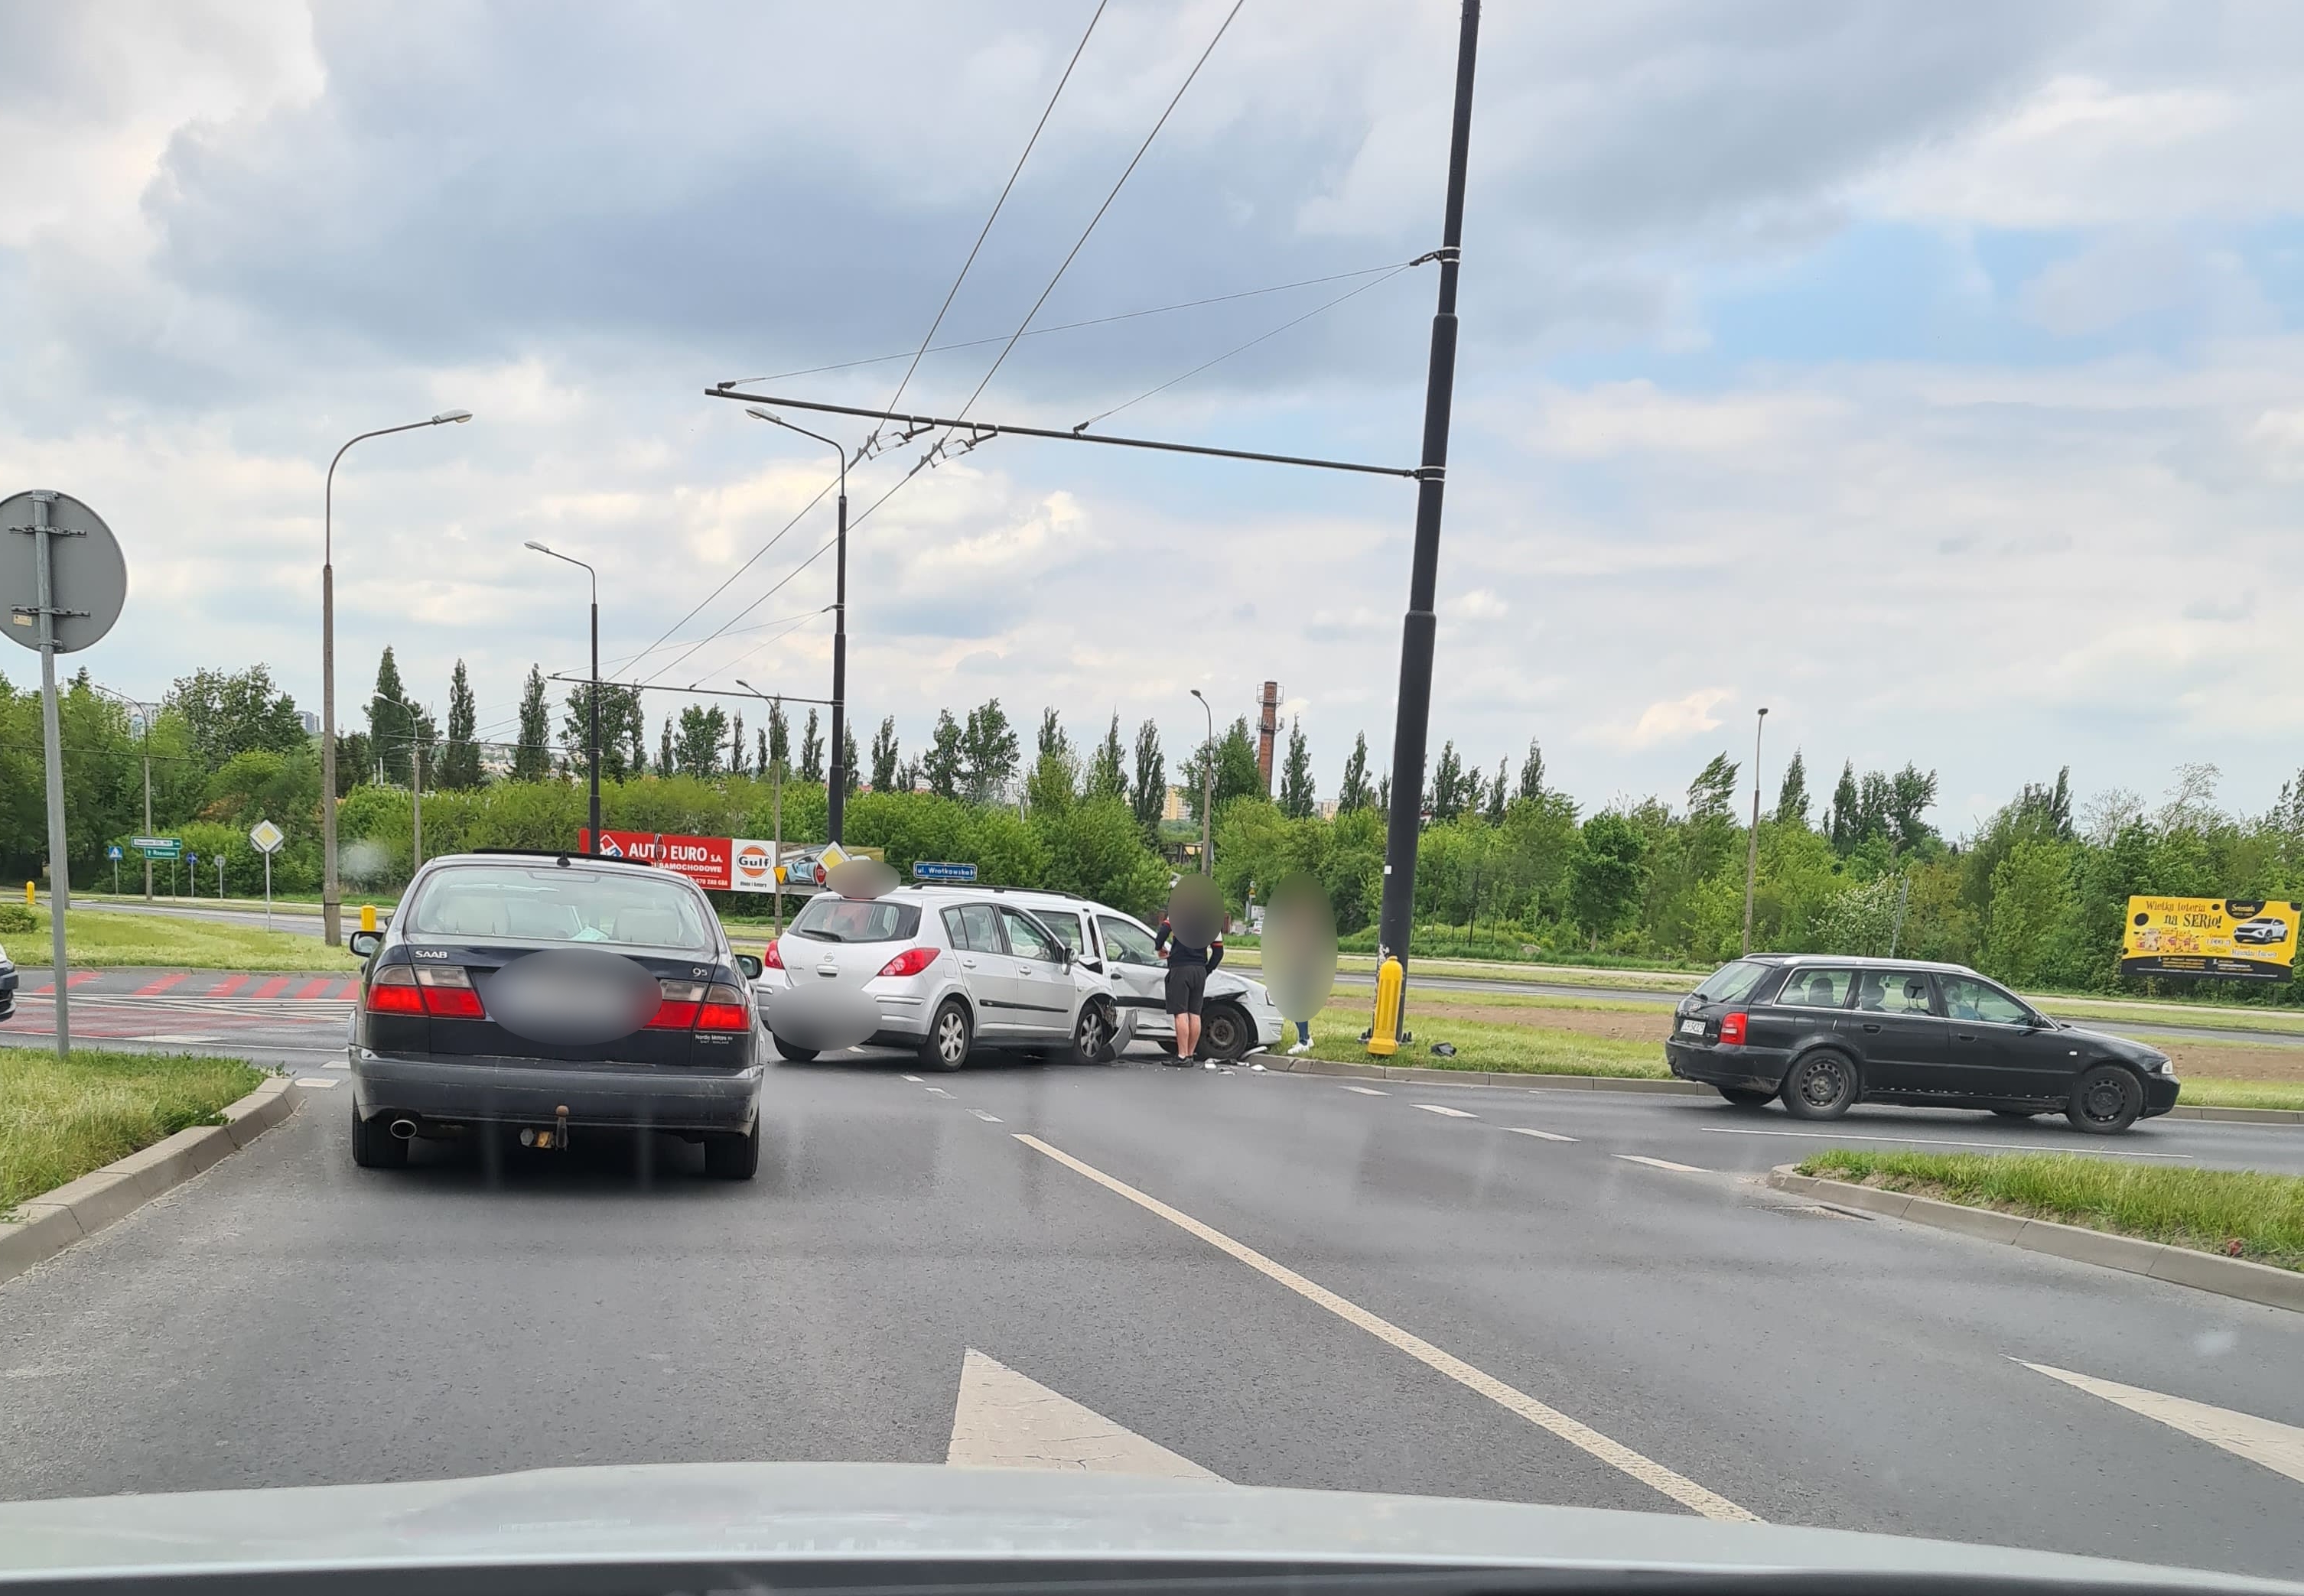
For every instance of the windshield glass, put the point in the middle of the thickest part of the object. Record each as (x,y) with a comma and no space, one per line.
(828,918)
(549,904)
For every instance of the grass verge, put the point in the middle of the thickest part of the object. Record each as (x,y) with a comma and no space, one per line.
(95,938)
(2207,1092)
(1530,1049)
(2231,1212)
(58,1121)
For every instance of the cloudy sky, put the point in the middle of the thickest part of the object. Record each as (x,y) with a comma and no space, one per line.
(1929,374)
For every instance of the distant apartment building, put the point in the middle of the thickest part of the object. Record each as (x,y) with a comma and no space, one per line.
(309,721)
(1176,808)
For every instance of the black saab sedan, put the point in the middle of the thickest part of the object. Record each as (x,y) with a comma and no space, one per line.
(552,994)
(1824,1033)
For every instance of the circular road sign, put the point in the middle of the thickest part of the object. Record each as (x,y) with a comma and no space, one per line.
(89,579)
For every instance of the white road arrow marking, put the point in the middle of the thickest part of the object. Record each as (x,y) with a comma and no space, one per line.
(2279,1448)
(1005,1420)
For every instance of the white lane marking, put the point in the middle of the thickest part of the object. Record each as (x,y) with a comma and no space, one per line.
(1435,1108)
(1687,1492)
(332,1064)
(1543,1136)
(1367,1091)
(1004,1420)
(939,1091)
(1830,1135)
(2279,1448)
(913,1079)
(301,1080)
(987,1118)
(1660,1163)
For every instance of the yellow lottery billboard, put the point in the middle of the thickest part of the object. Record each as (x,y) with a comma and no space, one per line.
(2210,936)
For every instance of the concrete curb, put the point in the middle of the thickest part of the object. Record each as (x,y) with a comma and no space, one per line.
(2180,1266)
(46,1225)
(1281,1063)
(2193,1110)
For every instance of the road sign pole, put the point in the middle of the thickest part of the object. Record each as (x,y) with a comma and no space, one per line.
(267,891)
(44,535)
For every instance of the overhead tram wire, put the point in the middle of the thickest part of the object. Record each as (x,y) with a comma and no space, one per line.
(986,232)
(1241,348)
(1094,321)
(927,339)
(933,453)
(1081,242)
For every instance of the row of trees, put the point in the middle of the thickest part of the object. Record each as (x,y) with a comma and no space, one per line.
(2034,895)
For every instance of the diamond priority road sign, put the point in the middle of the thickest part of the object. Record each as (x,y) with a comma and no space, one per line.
(267,836)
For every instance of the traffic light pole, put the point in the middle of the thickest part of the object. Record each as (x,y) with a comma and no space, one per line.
(1414,714)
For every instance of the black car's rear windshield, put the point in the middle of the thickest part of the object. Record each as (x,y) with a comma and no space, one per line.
(1730,982)
(830,918)
(547,903)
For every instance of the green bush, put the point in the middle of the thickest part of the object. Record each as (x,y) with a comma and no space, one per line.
(15,919)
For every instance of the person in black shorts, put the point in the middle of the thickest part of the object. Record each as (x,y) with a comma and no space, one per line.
(1188,980)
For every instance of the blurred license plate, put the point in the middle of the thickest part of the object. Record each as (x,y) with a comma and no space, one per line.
(1694,1027)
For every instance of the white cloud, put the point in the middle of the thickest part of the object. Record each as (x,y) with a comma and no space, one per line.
(1667,720)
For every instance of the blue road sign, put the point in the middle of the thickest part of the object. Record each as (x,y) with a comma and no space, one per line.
(113,852)
(932,870)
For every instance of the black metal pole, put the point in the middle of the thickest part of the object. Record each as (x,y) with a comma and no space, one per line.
(596,715)
(1415,710)
(836,791)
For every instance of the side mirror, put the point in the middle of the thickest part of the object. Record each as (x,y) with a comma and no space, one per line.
(749,963)
(365,942)
(1064,957)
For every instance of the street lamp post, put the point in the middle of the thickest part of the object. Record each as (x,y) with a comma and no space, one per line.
(593,733)
(835,792)
(1752,847)
(1207,792)
(144,719)
(775,815)
(332,898)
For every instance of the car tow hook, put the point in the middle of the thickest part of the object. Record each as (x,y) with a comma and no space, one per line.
(557,1137)
(560,1133)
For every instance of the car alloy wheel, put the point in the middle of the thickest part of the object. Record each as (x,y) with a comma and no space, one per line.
(1092,1036)
(949,1039)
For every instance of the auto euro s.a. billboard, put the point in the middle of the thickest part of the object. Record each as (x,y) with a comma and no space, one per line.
(724,864)
(2232,937)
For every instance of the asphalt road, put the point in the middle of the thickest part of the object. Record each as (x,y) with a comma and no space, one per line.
(286,1318)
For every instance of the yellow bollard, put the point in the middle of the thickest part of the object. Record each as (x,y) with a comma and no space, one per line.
(1383,1036)
(368,916)
(28,895)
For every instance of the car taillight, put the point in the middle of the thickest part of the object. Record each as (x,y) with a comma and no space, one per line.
(677,1010)
(393,991)
(448,992)
(773,958)
(1732,1030)
(911,961)
(724,1009)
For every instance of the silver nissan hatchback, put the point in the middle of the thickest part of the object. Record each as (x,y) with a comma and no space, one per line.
(943,969)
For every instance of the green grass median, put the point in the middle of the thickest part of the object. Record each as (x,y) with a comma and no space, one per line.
(99,939)
(2230,1212)
(1482,1045)
(60,1120)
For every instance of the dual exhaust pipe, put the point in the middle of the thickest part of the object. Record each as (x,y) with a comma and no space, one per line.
(404,1129)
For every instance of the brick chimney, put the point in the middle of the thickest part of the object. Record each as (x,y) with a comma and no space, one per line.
(1268,727)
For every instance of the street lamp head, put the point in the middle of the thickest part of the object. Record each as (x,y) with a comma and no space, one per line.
(446,415)
(1764,712)
(1196,693)
(757,414)
(540,548)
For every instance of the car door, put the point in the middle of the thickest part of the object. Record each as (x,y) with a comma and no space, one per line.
(974,930)
(1998,1047)
(1900,1037)
(1139,981)
(1042,989)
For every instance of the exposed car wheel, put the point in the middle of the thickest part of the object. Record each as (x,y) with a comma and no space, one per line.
(733,1157)
(947,1047)
(1092,1035)
(1226,1034)
(1746,1097)
(797,1054)
(2018,1113)
(375,1147)
(1822,1086)
(2106,1101)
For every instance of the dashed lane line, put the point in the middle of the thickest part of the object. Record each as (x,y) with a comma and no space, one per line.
(1660,1163)
(987,1118)
(1541,1136)
(1367,1091)
(1439,1108)
(1686,1492)
(913,1079)
(1835,1136)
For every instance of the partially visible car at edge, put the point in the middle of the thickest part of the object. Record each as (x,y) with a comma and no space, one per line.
(1824,1033)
